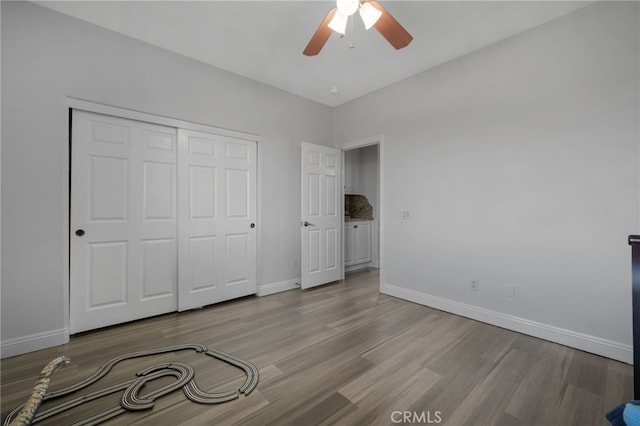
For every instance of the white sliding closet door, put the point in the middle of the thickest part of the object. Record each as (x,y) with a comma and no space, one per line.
(123,238)
(162,219)
(217,218)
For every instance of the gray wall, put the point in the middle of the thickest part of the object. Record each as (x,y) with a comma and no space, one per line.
(47,56)
(519,166)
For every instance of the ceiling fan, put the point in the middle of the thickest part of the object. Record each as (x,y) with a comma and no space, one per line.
(372,14)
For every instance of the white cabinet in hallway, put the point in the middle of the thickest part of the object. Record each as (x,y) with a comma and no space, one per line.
(357,244)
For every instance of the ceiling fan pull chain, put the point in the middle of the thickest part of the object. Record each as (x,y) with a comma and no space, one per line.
(352,44)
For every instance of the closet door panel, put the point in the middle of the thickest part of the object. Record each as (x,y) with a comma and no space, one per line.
(217,227)
(123,237)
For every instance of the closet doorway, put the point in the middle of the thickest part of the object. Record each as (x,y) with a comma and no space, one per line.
(161,219)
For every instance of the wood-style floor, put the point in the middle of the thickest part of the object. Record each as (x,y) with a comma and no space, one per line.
(343,354)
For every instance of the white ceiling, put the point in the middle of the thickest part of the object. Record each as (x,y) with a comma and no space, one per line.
(264,40)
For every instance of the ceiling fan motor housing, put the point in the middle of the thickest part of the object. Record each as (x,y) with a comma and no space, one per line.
(347,7)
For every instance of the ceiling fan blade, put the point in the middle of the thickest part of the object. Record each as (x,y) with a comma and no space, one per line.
(390,28)
(321,36)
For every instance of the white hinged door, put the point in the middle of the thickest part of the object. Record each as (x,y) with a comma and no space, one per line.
(321,215)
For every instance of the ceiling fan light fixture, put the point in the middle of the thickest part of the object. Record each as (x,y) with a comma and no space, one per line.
(339,22)
(347,7)
(369,15)
(373,14)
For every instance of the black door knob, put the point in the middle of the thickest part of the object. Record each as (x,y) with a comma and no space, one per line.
(80,232)
(253,225)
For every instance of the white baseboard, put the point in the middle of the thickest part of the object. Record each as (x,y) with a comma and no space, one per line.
(596,345)
(357,267)
(34,342)
(271,288)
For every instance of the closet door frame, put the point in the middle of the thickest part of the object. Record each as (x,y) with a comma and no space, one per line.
(70,104)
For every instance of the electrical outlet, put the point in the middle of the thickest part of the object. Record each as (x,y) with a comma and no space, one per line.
(294,264)
(475,286)
(406,214)
(510,291)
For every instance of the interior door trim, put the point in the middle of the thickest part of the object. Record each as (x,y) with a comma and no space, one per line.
(380,141)
(89,106)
